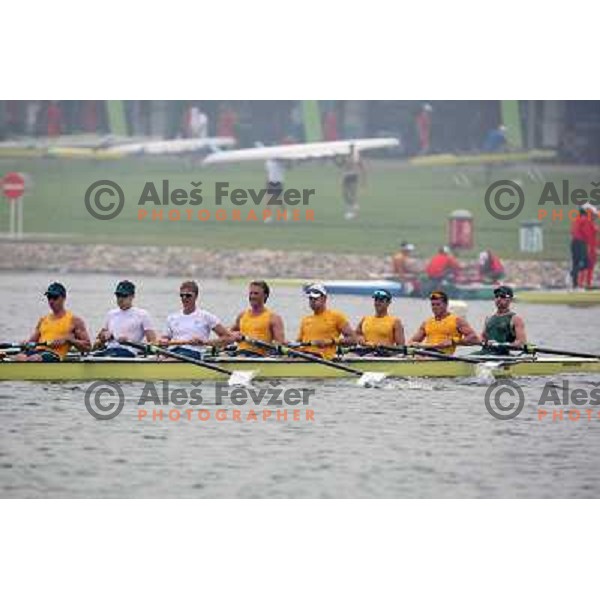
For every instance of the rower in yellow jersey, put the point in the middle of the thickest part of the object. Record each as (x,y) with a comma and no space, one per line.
(444,331)
(58,330)
(258,322)
(320,332)
(380,329)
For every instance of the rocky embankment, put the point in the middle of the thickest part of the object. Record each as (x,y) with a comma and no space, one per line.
(214,264)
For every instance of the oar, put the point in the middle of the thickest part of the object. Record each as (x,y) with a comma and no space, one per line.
(242,378)
(366,378)
(408,350)
(532,349)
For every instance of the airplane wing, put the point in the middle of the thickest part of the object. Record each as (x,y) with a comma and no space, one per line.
(300,151)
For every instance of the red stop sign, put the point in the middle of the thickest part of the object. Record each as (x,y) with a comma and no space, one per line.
(13,185)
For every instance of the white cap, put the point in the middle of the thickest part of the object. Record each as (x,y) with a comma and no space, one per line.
(409,247)
(427,107)
(316,290)
(588,206)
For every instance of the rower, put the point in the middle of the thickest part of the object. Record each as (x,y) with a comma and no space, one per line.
(504,326)
(442,266)
(258,322)
(56,332)
(491,269)
(127,323)
(445,330)
(320,332)
(403,264)
(381,328)
(192,326)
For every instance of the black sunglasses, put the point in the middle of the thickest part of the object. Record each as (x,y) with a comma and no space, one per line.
(184,295)
(118,295)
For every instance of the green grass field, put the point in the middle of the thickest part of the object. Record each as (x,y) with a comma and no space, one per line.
(397,203)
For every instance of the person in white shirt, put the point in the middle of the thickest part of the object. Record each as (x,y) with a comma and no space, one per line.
(124,324)
(189,329)
(197,123)
(275,176)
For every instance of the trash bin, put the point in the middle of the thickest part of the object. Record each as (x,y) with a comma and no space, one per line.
(461,229)
(531,236)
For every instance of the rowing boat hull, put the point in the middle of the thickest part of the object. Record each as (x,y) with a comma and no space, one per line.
(587,298)
(152,370)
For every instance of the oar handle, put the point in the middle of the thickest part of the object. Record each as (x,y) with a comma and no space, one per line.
(533,348)
(283,348)
(151,348)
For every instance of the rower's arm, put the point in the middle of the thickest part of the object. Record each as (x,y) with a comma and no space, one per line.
(484,337)
(520,334)
(399,333)
(359,332)
(225,336)
(236,325)
(80,337)
(150,335)
(349,336)
(35,336)
(469,337)
(419,336)
(277,329)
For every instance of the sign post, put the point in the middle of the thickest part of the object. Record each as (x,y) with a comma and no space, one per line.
(13,188)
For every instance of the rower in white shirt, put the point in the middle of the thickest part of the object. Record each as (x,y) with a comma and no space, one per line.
(126,323)
(189,329)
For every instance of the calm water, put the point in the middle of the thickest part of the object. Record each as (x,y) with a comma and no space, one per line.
(418,438)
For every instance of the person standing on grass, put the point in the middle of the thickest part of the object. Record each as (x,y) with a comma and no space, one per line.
(579,247)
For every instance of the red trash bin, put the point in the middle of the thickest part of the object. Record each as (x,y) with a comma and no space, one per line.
(460,229)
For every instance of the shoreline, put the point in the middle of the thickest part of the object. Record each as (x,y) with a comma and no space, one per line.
(222,264)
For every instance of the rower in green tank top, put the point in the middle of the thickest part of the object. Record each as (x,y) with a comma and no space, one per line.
(504,326)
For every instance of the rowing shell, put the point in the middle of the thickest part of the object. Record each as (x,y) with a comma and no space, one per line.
(141,369)
(585,298)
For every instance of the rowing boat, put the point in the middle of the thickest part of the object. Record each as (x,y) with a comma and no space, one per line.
(142,369)
(571,298)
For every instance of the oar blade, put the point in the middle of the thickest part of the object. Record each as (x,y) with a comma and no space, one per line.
(371,379)
(241,378)
(484,372)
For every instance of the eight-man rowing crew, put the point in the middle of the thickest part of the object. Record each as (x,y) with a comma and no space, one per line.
(188,331)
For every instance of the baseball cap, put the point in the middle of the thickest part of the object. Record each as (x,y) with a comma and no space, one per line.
(56,289)
(407,246)
(503,291)
(381,295)
(316,290)
(125,288)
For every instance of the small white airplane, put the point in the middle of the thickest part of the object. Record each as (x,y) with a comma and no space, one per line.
(315,150)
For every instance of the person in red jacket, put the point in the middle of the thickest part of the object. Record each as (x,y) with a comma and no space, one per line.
(54,118)
(579,249)
(423,122)
(589,230)
(491,269)
(443,267)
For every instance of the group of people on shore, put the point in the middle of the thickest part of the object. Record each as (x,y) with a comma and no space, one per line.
(444,267)
(194,332)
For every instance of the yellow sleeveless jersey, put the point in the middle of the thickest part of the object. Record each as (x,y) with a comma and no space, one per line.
(379,330)
(51,329)
(257,327)
(441,331)
(327,325)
